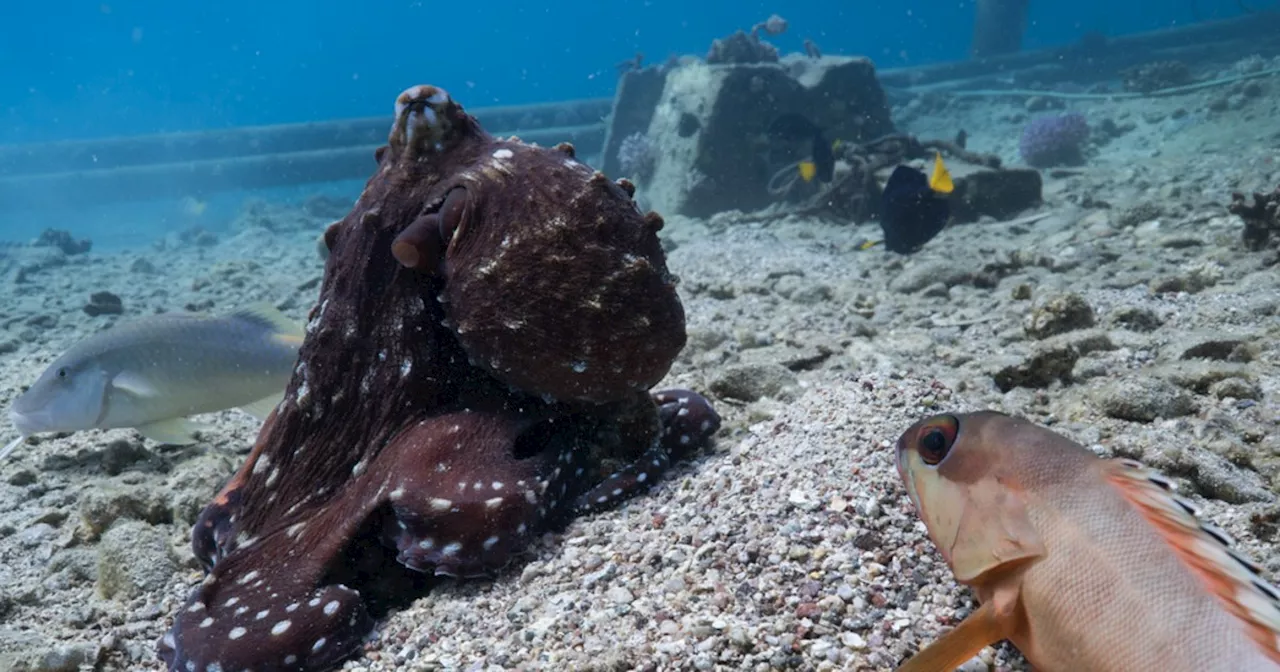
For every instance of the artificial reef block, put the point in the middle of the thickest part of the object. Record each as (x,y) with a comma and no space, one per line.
(709,126)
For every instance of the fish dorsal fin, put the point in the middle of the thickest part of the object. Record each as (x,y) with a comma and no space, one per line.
(265,314)
(1206,550)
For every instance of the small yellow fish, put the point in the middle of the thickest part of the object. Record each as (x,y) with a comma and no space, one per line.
(868,244)
(808,170)
(192,206)
(940,180)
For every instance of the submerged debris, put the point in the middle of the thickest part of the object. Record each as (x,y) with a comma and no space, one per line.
(64,241)
(1261,217)
(741,47)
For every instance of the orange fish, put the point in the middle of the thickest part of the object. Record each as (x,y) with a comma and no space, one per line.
(1083,563)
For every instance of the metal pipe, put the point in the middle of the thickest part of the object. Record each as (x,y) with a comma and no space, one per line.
(157,181)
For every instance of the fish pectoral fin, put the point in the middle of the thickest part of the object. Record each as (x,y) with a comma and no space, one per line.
(977,631)
(134,385)
(174,431)
(262,408)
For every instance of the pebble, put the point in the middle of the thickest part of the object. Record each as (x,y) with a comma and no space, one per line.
(1143,399)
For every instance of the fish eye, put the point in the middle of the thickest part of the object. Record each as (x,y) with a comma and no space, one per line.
(62,372)
(936,438)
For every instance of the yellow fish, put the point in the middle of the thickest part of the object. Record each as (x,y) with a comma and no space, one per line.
(808,170)
(905,201)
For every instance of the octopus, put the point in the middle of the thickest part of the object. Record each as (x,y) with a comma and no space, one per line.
(477,371)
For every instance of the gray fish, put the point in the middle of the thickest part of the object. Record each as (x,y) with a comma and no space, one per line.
(150,374)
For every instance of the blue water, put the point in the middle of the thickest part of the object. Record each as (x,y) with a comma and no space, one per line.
(89,69)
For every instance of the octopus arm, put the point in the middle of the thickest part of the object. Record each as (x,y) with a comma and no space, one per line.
(463,500)
(688,421)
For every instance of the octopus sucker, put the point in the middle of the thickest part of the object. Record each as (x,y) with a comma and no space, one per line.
(492,318)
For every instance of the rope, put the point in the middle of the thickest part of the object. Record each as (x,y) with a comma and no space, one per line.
(1171,91)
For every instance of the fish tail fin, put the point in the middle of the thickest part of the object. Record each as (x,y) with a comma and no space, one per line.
(267,315)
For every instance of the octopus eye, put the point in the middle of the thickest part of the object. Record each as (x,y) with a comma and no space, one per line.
(935,439)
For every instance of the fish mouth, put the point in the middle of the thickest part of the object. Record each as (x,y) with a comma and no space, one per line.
(25,423)
(901,460)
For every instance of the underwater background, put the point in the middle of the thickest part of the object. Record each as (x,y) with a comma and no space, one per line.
(100,69)
(859,222)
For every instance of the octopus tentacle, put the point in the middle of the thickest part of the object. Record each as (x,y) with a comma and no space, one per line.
(688,420)
(212,536)
(253,613)
(479,503)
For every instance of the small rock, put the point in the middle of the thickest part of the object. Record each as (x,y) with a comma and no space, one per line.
(122,454)
(62,240)
(750,382)
(1052,359)
(1199,374)
(104,303)
(619,595)
(143,266)
(1058,315)
(1195,279)
(1212,345)
(64,658)
(133,561)
(1236,388)
(919,276)
(937,290)
(1215,477)
(22,477)
(1135,319)
(1143,399)
(100,507)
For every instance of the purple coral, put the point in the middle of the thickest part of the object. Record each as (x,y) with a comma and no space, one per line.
(637,156)
(1054,140)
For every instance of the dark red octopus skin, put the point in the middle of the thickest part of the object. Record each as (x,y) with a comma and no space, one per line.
(492,317)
